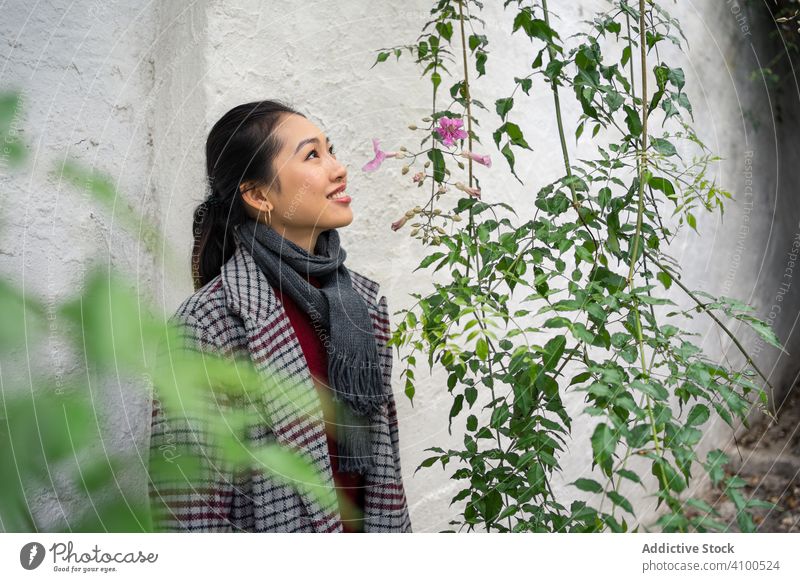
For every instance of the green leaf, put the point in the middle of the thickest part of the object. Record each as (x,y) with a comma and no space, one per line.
(381,58)
(604,442)
(482,349)
(503,106)
(664,185)
(553,351)
(698,415)
(651,389)
(589,485)
(454,410)
(630,475)
(663,146)
(633,121)
(691,220)
(665,279)
(436,79)
(621,501)
(435,156)
(490,505)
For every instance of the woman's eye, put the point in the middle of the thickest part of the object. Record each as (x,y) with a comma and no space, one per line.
(314,151)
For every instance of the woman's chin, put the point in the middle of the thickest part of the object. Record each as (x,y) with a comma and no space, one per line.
(341,219)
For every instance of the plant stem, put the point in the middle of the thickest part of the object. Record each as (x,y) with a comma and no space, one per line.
(466,84)
(703,306)
(557,101)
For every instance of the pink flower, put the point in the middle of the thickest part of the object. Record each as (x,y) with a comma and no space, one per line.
(398,224)
(380,155)
(419,176)
(481,159)
(450,130)
(476,192)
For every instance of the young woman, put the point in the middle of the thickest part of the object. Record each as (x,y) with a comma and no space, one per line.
(271,282)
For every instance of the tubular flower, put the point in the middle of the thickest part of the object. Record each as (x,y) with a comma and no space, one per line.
(398,224)
(481,159)
(476,192)
(450,130)
(380,155)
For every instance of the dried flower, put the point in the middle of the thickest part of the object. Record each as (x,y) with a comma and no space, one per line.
(476,192)
(380,155)
(419,177)
(449,130)
(481,159)
(398,224)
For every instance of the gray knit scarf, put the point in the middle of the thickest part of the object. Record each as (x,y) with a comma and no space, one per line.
(354,374)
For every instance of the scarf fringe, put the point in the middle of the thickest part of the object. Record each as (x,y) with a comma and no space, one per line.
(354,441)
(361,387)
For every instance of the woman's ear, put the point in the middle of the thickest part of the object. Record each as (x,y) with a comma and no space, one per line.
(255,197)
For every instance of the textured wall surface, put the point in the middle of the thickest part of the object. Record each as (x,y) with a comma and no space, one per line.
(85,72)
(134,89)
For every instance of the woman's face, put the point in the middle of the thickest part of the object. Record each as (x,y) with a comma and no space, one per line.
(308,173)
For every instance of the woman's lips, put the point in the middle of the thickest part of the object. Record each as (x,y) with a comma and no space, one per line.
(339,197)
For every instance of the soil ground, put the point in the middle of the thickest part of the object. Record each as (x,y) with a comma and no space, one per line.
(768,459)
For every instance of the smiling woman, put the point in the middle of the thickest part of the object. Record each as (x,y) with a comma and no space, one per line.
(271,283)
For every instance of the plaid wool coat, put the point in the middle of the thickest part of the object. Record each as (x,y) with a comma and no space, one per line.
(238,312)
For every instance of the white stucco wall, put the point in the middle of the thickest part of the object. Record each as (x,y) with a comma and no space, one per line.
(134,89)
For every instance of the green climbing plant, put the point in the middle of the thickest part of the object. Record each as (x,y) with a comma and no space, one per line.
(571,293)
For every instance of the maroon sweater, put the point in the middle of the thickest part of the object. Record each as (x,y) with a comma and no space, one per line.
(349,486)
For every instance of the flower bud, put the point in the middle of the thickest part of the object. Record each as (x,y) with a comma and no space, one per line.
(427,164)
(405,170)
(441,230)
(436,240)
(410,213)
(418,209)
(461,165)
(437,211)
(398,224)
(403,149)
(426,119)
(414,232)
(412,126)
(457,218)
(399,155)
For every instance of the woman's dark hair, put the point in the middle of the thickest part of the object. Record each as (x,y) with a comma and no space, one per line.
(240,148)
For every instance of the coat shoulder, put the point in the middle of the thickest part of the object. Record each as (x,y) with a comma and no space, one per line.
(203,303)
(205,313)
